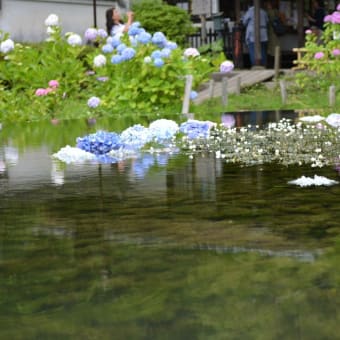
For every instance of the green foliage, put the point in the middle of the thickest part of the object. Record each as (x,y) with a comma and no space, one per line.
(322,57)
(131,86)
(156,16)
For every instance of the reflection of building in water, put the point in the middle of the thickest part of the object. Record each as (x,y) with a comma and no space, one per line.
(197,178)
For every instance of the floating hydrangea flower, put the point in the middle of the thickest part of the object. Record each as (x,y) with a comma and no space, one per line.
(196,128)
(52,20)
(99,60)
(191,52)
(128,53)
(93,102)
(6,46)
(74,40)
(70,155)
(309,181)
(91,34)
(135,137)
(227,66)
(107,48)
(319,55)
(333,119)
(99,143)
(163,129)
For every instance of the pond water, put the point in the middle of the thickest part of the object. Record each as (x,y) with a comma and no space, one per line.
(163,247)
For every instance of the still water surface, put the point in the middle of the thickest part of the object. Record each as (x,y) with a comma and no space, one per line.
(162,247)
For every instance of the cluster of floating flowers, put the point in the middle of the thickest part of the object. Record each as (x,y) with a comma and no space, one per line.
(313,141)
(111,147)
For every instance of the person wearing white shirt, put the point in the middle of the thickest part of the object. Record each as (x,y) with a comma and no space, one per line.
(114,24)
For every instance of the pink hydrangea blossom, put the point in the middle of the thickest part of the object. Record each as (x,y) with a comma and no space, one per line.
(336,52)
(227,66)
(53,83)
(319,55)
(41,92)
(308,31)
(338,7)
(191,52)
(336,18)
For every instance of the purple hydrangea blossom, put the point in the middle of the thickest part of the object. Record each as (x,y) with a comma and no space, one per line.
(91,34)
(102,33)
(227,66)
(93,102)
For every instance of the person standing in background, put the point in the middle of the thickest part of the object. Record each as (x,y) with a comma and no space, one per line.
(273,39)
(248,21)
(114,24)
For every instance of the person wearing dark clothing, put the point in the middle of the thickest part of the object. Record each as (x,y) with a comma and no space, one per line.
(317,16)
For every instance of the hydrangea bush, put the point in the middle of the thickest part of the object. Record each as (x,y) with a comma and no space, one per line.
(137,72)
(323,53)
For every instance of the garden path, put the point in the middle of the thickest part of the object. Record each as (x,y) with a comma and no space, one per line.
(247,78)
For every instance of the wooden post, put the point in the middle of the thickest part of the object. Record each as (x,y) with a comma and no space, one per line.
(224,91)
(332,95)
(283,91)
(277,62)
(211,88)
(238,85)
(186,99)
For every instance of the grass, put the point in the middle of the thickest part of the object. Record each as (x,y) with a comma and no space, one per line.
(261,98)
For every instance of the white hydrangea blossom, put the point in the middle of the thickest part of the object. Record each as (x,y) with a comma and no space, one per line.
(70,154)
(99,60)
(74,40)
(6,46)
(52,20)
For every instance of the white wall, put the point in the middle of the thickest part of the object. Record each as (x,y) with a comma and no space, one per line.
(24,20)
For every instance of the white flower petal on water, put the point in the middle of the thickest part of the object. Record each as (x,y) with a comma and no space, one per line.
(309,181)
(312,119)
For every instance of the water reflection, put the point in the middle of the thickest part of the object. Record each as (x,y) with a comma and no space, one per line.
(162,246)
